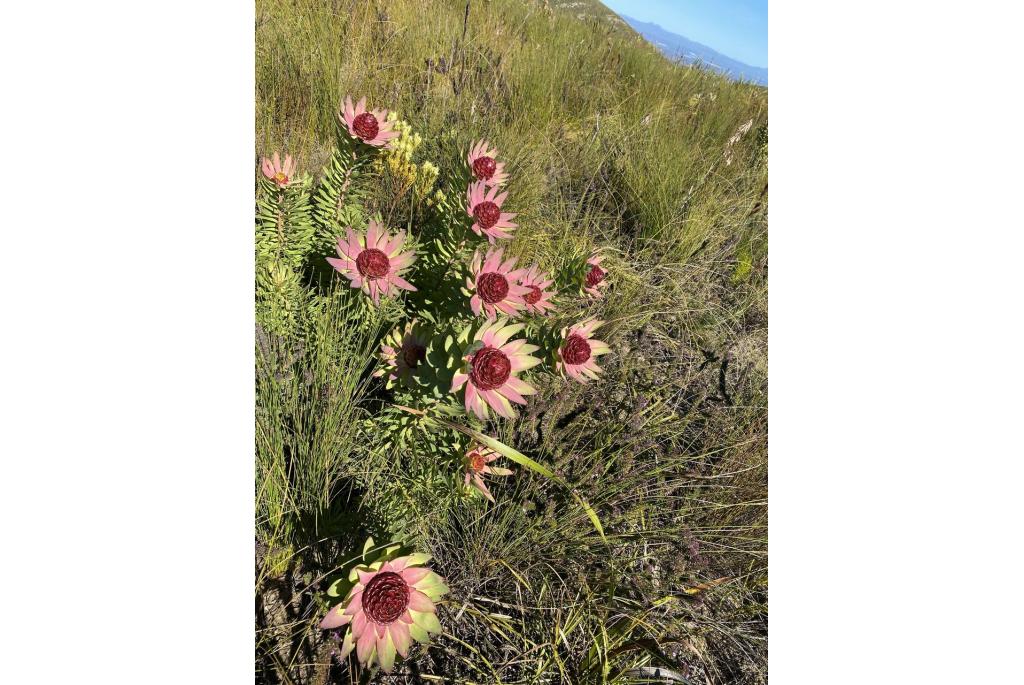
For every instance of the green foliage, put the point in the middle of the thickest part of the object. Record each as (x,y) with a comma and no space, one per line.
(309,383)
(279,296)
(284,230)
(336,205)
(284,239)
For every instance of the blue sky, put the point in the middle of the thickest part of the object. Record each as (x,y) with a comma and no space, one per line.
(735,28)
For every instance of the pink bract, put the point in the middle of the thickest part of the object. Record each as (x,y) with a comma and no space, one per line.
(403,352)
(484,206)
(487,371)
(538,298)
(374,262)
(596,279)
(390,606)
(368,126)
(494,285)
(281,174)
(483,165)
(577,351)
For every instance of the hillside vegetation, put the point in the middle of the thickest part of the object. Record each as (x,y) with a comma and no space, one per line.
(609,147)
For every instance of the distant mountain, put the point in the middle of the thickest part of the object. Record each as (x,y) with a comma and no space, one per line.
(688,51)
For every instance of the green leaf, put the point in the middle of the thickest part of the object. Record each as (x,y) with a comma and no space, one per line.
(418,633)
(426,620)
(513,454)
(591,514)
(340,587)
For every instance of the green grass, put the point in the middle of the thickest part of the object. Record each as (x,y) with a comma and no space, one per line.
(609,146)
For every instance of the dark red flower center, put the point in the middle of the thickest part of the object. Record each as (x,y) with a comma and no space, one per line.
(484,167)
(576,350)
(414,353)
(487,214)
(595,276)
(490,368)
(492,286)
(385,597)
(476,461)
(373,263)
(532,296)
(366,126)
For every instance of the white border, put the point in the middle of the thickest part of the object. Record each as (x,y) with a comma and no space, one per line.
(895,342)
(127,501)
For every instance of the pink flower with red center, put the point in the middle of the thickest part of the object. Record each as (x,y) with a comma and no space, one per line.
(374,262)
(595,281)
(281,174)
(488,369)
(483,165)
(390,606)
(484,206)
(577,353)
(369,126)
(537,298)
(404,351)
(477,464)
(494,285)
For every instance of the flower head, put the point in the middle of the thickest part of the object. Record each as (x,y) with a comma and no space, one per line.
(390,605)
(483,165)
(576,355)
(403,352)
(281,174)
(537,299)
(494,284)
(485,208)
(477,463)
(595,281)
(374,262)
(370,126)
(488,368)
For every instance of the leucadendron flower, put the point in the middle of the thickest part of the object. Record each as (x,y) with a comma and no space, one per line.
(369,126)
(374,262)
(595,282)
(538,296)
(483,165)
(494,284)
(484,207)
(575,356)
(403,351)
(477,464)
(274,170)
(488,368)
(390,606)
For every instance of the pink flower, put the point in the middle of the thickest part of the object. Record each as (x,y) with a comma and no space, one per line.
(488,367)
(477,463)
(485,208)
(391,604)
(494,285)
(538,297)
(374,262)
(281,174)
(371,127)
(595,279)
(484,168)
(403,351)
(578,350)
